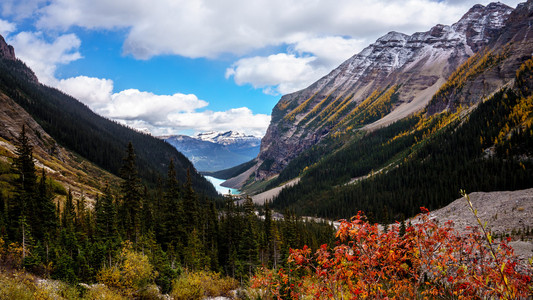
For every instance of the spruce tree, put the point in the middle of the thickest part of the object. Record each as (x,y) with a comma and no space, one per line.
(248,252)
(22,207)
(131,195)
(106,217)
(173,213)
(45,220)
(190,205)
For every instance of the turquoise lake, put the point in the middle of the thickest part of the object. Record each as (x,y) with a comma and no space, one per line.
(222,190)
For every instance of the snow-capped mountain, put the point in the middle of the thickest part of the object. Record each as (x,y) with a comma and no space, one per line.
(228,138)
(213,151)
(408,69)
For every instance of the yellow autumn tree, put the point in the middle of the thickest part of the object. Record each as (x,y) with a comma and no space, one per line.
(131,273)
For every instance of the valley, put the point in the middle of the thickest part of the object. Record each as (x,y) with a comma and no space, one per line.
(405,172)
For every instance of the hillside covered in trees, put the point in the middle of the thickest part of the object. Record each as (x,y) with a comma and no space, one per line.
(100,140)
(160,233)
(423,160)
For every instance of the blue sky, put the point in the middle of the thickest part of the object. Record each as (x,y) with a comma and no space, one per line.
(188,66)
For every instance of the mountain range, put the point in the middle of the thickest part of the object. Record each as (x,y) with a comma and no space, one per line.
(214,151)
(399,70)
(388,112)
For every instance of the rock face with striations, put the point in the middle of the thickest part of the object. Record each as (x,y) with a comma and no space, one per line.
(411,67)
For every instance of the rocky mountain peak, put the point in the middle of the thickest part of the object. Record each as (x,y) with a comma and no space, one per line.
(6,51)
(226,137)
(481,23)
(7,54)
(393,37)
(414,66)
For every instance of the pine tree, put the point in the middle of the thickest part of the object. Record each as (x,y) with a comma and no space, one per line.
(106,217)
(69,212)
(22,207)
(266,242)
(190,205)
(173,231)
(131,195)
(45,219)
(248,252)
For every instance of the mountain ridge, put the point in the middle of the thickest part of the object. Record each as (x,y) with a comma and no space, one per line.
(74,126)
(411,68)
(214,151)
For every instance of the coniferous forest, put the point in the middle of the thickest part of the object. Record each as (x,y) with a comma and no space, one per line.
(100,140)
(425,161)
(160,233)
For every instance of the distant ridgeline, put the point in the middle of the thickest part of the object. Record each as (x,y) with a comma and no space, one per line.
(213,151)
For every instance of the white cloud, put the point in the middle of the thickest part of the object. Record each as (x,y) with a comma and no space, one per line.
(330,51)
(207,28)
(20,9)
(94,92)
(6,27)
(286,73)
(160,114)
(240,119)
(133,104)
(43,57)
(279,73)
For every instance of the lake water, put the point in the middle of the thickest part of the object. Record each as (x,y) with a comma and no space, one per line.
(221,189)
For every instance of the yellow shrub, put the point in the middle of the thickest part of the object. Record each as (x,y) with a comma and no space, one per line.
(17,286)
(102,292)
(197,285)
(131,274)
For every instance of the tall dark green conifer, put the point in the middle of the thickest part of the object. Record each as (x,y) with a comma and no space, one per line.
(190,206)
(173,231)
(21,208)
(131,195)
(248,247)
(45,219)
(106,217)
(69,212)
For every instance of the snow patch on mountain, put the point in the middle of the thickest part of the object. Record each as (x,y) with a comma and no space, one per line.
(228,138)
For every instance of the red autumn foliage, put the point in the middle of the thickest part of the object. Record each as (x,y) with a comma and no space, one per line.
(430,261)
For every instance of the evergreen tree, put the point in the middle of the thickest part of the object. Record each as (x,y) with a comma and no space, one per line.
(190,206)
(173,214)
(248,247)
(106,217)
(23,205)
(131,195)
(69,212)
(45,219)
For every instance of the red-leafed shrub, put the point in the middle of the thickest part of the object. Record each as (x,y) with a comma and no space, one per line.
(430,261)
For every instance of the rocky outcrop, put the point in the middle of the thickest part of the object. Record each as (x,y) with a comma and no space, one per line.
(6,51)
(414,65)
(10,62)
(509,48)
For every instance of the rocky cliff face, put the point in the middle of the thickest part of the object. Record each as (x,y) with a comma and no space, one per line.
(8,58)
(6,51)
(390,79)
(494,66)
